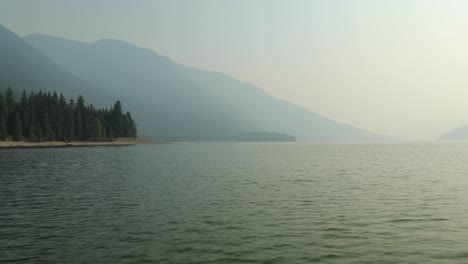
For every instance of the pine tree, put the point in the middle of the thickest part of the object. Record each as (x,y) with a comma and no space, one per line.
(96,130)
(117,119)
(3,128)
(11,108)
(110,134)
(104,134)
(69,125)
(17,128)
(79,113)
(3,106)
(61,110)
(25,113)
(32,134)
(78,124)
(48,130)
(40,135)
(3,117)
(125,126)
(132,130)
(10,100)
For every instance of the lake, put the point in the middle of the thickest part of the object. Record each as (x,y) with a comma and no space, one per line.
(236,203)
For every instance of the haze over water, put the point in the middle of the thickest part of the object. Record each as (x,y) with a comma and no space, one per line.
(236,203)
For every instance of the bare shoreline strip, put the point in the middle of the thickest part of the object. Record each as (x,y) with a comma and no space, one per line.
(61,144)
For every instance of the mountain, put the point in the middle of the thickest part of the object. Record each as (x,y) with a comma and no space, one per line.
(456,134)
(173,102)
(24,67)
(277,115)
(167,105)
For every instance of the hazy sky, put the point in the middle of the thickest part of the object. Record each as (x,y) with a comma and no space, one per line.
(398,67)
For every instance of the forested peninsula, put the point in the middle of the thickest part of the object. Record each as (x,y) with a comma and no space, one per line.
(46,117)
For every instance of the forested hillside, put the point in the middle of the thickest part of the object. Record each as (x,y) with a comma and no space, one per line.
(40,116)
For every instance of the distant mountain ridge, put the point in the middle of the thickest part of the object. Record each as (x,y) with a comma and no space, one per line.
(170,102)
(263,137)
(457,133)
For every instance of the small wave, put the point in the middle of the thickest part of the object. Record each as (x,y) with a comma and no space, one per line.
(336,229)
(402,220)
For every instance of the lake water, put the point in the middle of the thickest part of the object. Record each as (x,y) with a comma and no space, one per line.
(236,203)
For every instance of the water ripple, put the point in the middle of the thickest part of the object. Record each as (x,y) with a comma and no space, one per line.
(235,203)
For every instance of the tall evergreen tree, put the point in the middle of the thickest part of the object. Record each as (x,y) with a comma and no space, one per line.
(48,134)
(70,121)
(132,130)
(116,120)
(32,134)
(11,108)
(110,134)
(3,107)
(25,112)
(10,100)
(79,113)
(3,128)
(61,111)
(96,130)
(78,124)
(17,128)
(3,117)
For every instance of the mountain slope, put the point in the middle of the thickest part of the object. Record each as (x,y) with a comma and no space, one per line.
(24,67)
(167,105)
(274,114)
(186,103)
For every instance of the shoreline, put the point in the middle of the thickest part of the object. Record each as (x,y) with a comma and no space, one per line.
(61,144)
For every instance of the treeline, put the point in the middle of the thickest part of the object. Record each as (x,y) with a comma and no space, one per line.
(44,116)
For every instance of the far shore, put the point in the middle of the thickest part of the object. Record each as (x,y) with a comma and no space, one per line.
(58,144)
